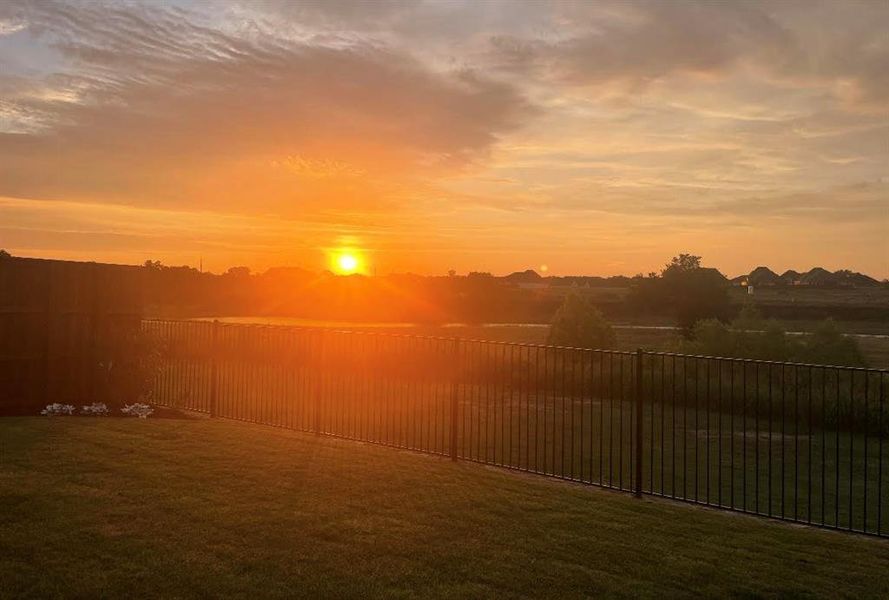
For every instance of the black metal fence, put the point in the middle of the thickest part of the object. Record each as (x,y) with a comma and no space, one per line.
(798,442)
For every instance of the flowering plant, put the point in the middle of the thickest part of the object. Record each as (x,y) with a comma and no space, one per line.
(57,409)
(137,410)
(96,409)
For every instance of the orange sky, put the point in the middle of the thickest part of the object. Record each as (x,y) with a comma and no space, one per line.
(595,138)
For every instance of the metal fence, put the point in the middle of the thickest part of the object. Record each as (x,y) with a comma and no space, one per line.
(797,442)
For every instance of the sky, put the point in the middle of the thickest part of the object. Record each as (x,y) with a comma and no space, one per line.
(570,137)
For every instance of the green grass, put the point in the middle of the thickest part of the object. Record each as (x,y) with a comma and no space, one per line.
(188,508)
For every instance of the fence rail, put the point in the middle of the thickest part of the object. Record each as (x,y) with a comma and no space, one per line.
(804,443)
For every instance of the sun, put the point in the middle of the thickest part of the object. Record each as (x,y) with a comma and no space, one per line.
(347,263)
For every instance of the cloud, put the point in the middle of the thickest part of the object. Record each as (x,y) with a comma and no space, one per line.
(635,44)
(8,26)
(864,202)
(338,14)
(641,42)
(152,106)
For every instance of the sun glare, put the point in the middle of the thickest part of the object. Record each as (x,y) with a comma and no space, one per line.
(347,263)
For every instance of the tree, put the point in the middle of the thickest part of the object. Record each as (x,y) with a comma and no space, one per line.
(4,254)
(238,272)
(579,324)
(684,290)
(683,263)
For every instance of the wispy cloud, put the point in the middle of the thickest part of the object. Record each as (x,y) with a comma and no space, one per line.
(165,107)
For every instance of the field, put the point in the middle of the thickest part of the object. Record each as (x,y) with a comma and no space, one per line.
(873,341)
(876,297)
(192,507)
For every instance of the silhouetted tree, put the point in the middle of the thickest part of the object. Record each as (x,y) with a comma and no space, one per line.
(685,290)
(238,272)
(579,324)
(683,263)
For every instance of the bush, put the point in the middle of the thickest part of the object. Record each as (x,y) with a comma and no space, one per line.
(751,336)
(828,346)
(579,324)
(127,367)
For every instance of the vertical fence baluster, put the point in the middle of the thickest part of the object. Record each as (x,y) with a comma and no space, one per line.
(864,499)
(851,444)
(882,434)
(214,368)
(719,411)
(651,425)
(796,443)
(809,463)
(601,394)
(319,382)
(783,434)
(455,386)
(771,407)
(639,417)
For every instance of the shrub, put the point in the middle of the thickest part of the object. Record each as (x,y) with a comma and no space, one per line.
(751,336)
(127,367)
(828,346)
(579,324)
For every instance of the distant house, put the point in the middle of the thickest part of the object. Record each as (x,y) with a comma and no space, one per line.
(527,280)
(714,273)
(790,277)
(816,277)
(763,276)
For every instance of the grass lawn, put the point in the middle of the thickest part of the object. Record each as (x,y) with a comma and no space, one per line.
(188,508)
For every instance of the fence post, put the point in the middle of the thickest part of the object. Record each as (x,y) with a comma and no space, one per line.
(455,384)
(639,428)
(214,374)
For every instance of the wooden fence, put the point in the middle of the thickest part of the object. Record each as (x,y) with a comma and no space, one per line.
(57,321)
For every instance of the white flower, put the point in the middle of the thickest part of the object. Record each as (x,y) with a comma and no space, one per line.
(137,410)
(56,409)
(96,409)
